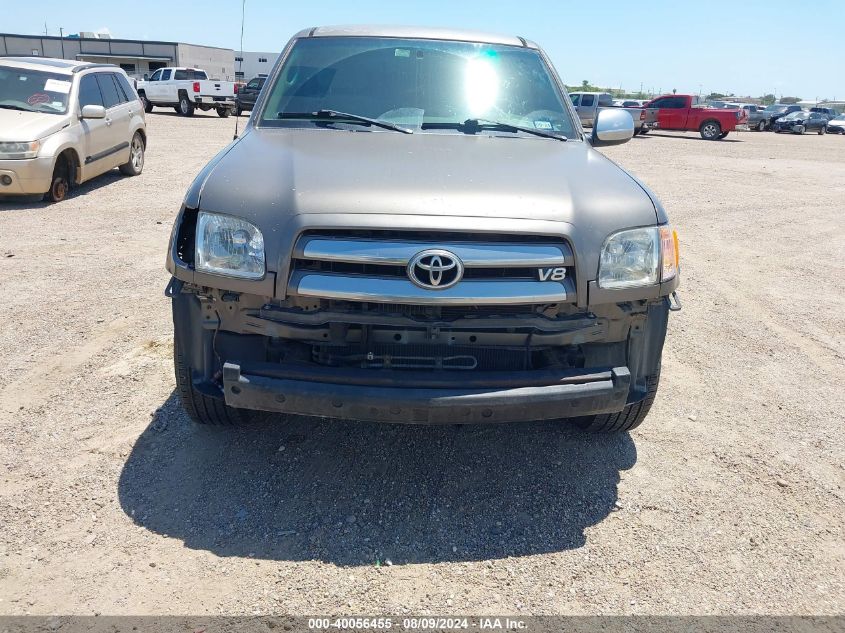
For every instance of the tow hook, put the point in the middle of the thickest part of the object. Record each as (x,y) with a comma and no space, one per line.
(674,302)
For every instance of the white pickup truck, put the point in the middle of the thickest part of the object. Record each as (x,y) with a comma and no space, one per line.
(185,89)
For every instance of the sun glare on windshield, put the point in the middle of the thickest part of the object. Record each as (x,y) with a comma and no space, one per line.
(481,85)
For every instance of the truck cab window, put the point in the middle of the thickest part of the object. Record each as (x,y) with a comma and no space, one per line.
(587,100)
(156,76)
(165,75)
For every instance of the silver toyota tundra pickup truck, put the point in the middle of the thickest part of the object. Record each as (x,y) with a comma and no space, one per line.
(414,227)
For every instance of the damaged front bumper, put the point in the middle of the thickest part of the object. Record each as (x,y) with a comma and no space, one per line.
(564,394)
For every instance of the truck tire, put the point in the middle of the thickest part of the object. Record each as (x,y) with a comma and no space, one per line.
(628,418)
(761,126)
(135,165)
(148,107)
(186,108)
(723,135)
(822,130)
(645,129)
(223,113)
(710,130)
(203,409)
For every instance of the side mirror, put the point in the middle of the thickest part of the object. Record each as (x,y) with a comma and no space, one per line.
(93,112)
(612,127)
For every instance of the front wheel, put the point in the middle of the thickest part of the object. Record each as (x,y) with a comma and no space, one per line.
(202,408)
(761,126)
(135,165)
(60,183)
(822,130)
(186,108)
(148,107)
(710,130)
(723,135)
(628,418)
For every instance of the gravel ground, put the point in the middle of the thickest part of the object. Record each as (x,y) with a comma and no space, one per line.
(728,500)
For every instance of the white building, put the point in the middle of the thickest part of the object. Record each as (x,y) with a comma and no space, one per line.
(249,65)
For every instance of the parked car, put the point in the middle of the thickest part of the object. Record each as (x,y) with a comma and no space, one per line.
(802,122)
(682,112)
(247,95)
(830,113)
(433,278)
(777,110)
(64,122)
(837,125)
(185,89)
(589,104)
(757,118)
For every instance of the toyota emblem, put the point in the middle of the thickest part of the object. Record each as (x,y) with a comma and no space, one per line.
(435,269)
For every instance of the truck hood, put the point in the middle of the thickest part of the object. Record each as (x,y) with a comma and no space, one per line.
(268,176)
(19,126)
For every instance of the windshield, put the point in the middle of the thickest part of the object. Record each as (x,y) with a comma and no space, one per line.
(796,115)
(416,84)
(33,91)
(775,108)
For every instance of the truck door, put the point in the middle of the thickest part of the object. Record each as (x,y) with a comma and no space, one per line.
(671,112)
(587,109)
(166,91)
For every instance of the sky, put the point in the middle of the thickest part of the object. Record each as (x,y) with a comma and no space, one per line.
(693,46)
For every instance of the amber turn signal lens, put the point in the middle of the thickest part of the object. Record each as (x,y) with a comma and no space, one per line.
(668,253)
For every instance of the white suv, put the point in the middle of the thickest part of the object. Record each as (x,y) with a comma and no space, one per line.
(64,122)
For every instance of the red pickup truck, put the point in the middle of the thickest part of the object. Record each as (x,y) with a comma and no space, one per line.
(682,112)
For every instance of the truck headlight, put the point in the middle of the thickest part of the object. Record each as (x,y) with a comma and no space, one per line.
(639,257)
(19,150)
(229,246)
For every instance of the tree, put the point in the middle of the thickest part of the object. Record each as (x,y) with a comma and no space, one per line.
(768,99)
(790,99)
(585,84)
(715,95)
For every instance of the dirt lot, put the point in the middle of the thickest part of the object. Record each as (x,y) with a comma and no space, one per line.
(728,500)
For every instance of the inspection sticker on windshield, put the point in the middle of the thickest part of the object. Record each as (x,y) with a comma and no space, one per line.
(56,85)
(543,125)
(402,52)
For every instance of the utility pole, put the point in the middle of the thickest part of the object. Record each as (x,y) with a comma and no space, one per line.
(62,36)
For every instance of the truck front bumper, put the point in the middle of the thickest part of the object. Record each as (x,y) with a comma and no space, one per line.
(563,395)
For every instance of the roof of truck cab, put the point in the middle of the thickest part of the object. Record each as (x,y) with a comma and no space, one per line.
(415,32)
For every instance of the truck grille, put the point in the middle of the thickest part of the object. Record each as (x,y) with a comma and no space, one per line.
(372,267)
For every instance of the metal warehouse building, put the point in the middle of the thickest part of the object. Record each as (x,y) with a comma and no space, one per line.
(136,57)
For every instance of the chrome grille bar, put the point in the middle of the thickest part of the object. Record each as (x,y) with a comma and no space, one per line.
(399,253)
(398,290)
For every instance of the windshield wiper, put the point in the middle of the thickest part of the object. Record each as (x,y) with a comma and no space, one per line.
(334,114)
(472,126)
(14,107)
